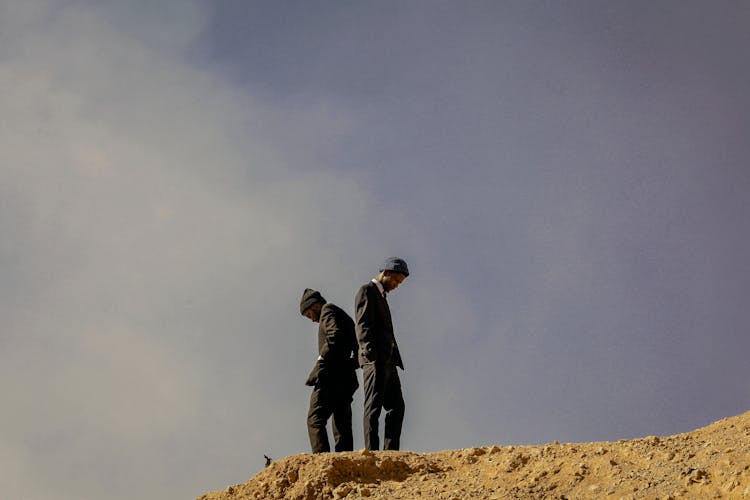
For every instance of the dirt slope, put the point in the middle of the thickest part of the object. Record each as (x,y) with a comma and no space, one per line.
(712,462)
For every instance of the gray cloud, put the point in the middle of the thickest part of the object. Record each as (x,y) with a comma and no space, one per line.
(155,246)
(568,186)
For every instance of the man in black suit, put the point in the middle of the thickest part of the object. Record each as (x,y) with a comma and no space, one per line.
(334,377)
(379,355)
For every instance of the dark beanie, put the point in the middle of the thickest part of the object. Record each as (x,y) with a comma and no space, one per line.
(396,265)
(310,297)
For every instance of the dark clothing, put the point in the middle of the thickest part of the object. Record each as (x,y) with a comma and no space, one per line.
(382,390)
(379,356)
(310,297)
(324,402)
(374,328)
(334,379)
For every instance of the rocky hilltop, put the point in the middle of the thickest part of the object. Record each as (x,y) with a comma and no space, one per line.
(712,462)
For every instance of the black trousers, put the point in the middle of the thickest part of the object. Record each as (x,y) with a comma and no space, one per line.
(382,390)
(327,400)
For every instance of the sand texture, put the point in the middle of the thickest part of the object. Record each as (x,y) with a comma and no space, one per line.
(712,462)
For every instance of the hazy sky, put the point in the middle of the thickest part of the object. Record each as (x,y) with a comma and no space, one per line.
(569,182)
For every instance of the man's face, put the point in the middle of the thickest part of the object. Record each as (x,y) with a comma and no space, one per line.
(313,312)
(392,280)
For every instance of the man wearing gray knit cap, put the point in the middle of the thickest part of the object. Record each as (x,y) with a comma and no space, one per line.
(379,355)
(334,377)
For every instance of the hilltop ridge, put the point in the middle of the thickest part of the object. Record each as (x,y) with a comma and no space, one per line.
(711,462)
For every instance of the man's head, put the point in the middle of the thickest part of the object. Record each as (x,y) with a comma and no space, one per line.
(311,304)
(393,272)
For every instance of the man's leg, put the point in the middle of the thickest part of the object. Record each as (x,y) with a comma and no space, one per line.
(372,382)
(342,421)
(393,402)
(317,416)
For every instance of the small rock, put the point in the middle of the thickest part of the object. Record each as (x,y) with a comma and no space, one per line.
(230,490)
(365,492)
(343,490)
(697,476)
(281,483)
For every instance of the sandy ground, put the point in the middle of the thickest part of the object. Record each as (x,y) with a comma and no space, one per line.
(712,462)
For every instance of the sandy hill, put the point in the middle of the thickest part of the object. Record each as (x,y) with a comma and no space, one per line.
(712,462)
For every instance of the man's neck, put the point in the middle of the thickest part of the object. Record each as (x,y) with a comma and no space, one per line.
(380,286)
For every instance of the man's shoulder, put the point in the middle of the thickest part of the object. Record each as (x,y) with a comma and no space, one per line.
(334,310)
(330,307)
(367,287)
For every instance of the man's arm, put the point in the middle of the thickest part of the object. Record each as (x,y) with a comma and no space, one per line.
(364,307)
(312,379)
(331,325)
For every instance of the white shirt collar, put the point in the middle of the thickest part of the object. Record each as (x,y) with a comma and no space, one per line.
(380,287)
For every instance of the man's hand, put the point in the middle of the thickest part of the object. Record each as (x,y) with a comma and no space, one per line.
(354,362)
(312,379)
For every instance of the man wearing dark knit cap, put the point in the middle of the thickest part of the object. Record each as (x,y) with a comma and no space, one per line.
(379,355)
(334,377)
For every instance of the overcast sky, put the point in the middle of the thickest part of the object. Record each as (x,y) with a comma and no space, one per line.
(568,181)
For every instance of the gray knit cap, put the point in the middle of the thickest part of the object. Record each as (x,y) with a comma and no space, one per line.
(310,297)
(396,265)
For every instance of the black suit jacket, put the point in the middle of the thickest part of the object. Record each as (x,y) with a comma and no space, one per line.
(337,346)
(374,328)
